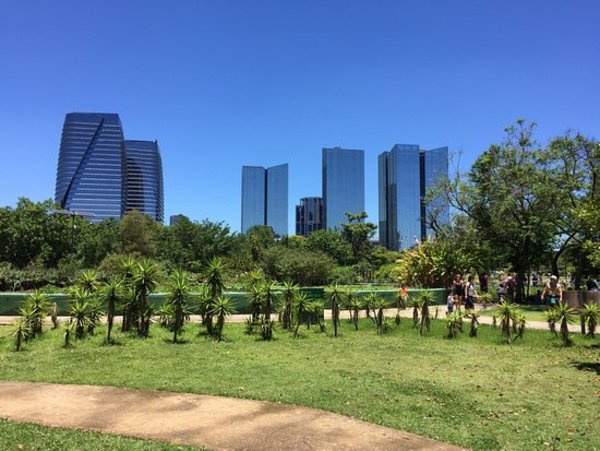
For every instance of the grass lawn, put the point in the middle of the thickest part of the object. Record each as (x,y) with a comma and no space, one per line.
(474,392)
(30,437)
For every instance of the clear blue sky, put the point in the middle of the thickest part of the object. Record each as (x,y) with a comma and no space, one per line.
(223,84)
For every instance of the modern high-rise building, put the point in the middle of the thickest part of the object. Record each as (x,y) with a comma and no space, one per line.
(406,173)
(101,173)
(343,185)
(144,178)
(265,198)
(91,170)
(309,215)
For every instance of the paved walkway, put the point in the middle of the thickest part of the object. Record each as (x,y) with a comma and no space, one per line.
(211,421)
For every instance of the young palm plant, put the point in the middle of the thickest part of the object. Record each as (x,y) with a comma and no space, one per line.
(301,305)
(454,323)
(269,299)
(145,281)
(127,270)
(565,317)
(180,287)
(289,292)
(68,328)
(21,331)
(221,308)
(521,320)
(416,305)
(88,281)
(40,304)
(355,304)
(380,321)
(426,298)
(112,294)
(369,302)
(590,314)
(214,278)
(474,317)
(335,296)
(552,319)
(29,315)
(506,314)
(315,309)
(79,310)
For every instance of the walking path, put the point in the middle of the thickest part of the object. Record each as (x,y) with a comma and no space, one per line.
(210,421)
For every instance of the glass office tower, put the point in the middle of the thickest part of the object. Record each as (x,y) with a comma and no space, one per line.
(343,185)
(309,215)
(91,171)
(144,178)
(265,198)
(406,173)
(399,196)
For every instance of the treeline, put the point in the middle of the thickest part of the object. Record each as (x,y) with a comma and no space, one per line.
(39,248)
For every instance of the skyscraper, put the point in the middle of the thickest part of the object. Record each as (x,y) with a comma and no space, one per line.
(101,173)
(144,178)
(91,170)
(406,173)
(265,198)
(343,185)
(309,215)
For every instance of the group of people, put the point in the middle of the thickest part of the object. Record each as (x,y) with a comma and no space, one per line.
(461,292)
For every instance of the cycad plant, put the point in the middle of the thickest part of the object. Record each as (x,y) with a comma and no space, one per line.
(79,310)
(335,296)
(221,308)
(552,319)
(21,331)
(505,312)
(88,281)
(145,281)
(590,314)
(454,323)
(179,292)
(111,293)
(29,315)
(289,292)
(426,298)
(565,317)
(301,305)
(416,305)
(214,278)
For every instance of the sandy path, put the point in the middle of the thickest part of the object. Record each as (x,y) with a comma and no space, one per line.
(210,421)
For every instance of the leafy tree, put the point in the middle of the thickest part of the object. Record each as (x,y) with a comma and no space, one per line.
(301,266)
(357,233)
(138,234)
(332,243)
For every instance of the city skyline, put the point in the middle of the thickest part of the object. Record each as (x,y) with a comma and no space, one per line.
(279,81)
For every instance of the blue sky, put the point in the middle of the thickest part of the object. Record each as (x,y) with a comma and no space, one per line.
(223,84)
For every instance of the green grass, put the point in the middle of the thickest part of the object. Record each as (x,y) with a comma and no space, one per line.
(31,437)
(474,392)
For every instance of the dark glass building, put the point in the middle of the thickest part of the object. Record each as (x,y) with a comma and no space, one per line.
(101,173)
(309,215)
(406,173)
(343,185)
(91,170)
(144,178)
(265,198)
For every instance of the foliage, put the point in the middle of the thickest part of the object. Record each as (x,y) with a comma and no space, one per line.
(221,308)
(180,288)
(357,234)
(425,299)
(301,266)
(335,296)
(111,293)
(565,317)
(21,331)
(454,322)
(590,314)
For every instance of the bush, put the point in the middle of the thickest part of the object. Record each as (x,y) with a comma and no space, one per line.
(304,267)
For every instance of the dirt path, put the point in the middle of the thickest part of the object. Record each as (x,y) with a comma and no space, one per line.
(210,421)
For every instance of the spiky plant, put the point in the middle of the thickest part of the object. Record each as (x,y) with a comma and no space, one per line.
(494,320)
(28,313)
(96,311)
(378,310)
(269,299)
(289,292)
(40,305)
(370,302)
(302,302)
(485,299)
(112,294)
(454,324)
(335,296)
(416,305)
(214,278)
(221,308)
(79,310)
(88,281)
(506,314)
(165,315)
(248,326)
(521,320)
(145,281)
(474,321)
(21,330)
(180,287)
(591,314)
(315,308)
(552,319)
(565,317)
(68,329)
(425,298)
(355,304)
(54,315)
(127,269)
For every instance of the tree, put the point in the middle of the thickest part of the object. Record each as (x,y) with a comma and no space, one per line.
(138,234)
(214,280)
(335,296)
(332,243)
(145,280)
(221,308)
(290,290)
(301,266)
(358,233)
(180,288)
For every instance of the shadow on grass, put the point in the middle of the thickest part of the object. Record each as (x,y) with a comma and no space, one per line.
(178,342)
(587,366)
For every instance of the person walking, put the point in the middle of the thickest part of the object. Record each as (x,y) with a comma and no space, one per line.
(483,283)
(471,294)
(458,289)
(552,294)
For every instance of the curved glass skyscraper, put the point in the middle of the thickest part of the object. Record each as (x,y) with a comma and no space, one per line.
(144,178)
(101,173)
(90,169)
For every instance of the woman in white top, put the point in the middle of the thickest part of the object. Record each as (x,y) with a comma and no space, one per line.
(471,294)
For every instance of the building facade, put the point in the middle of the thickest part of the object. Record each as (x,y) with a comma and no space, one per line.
(265,198)
(309,215)
(101,173)
(91,171)
(405,175)
(144,178)
(343,185)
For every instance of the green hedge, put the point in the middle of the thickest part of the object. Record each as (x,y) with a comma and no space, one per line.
(10,302)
